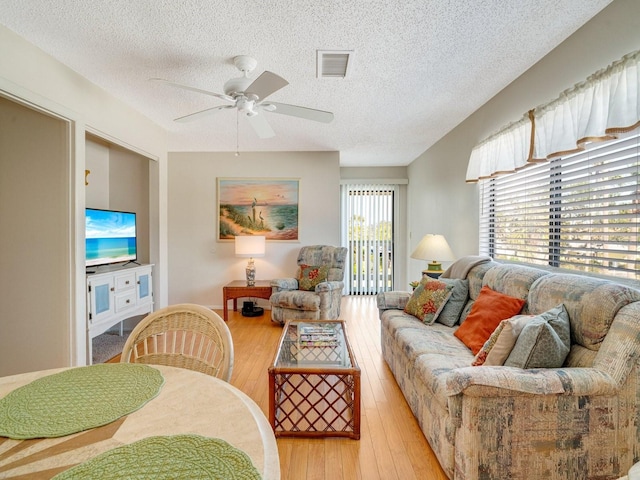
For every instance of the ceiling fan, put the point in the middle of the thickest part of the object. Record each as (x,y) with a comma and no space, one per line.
(248,96)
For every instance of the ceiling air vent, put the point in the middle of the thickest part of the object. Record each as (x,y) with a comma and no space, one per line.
(333,63)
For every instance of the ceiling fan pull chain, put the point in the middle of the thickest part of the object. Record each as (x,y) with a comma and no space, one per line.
(237,133)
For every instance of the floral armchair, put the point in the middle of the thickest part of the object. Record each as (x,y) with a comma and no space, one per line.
(316,291)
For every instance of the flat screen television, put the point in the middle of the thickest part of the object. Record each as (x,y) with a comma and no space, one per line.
(110,237)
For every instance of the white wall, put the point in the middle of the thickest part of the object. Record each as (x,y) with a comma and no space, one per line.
(31,77)
(439,199)
(199,265)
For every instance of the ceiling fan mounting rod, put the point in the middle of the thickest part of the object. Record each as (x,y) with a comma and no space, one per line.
(245,64)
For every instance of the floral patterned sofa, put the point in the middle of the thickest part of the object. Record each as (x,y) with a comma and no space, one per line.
(579,421)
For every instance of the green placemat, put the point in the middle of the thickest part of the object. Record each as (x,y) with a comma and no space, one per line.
(186,457)
(77,399)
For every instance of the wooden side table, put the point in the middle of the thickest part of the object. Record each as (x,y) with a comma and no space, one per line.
(240,289)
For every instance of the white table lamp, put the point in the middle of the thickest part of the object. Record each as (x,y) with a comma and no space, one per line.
(250,246)
(435,249)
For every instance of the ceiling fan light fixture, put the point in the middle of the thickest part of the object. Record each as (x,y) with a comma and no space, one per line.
(333,63)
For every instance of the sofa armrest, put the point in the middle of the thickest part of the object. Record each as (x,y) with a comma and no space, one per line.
(511,381)
(329,286)
(283,284)
(394,300)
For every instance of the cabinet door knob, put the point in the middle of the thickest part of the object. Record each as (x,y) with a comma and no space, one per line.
(112,289)
(128,301)
(127,282)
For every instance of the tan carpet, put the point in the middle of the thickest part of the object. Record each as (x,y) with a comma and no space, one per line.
(107,346)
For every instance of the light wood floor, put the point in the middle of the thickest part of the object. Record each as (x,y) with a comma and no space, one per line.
(391,444)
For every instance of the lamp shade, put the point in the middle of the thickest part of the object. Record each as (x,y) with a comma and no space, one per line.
(250,245)
(433,247)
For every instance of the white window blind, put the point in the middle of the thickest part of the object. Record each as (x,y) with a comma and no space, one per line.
(579,211)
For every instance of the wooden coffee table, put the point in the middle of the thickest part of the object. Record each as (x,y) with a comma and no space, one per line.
(240,289)
(314,386)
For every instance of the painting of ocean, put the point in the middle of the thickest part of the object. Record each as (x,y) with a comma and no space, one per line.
(266,207)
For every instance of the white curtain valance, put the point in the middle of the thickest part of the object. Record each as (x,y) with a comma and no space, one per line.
(507,151)
(604,105)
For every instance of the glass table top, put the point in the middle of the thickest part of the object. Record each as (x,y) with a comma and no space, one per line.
(318,344)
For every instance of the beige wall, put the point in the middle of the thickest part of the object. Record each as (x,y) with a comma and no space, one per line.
(129,191)
(96,191)
(35,251)
(373,173)
(199,265)
(439,199)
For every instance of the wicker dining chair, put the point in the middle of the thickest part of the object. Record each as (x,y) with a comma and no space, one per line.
(183,335)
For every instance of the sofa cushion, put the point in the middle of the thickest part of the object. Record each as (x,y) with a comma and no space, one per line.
(544,341)
(428,300)
(513,280)
(476,278)
(591,303)
(450,314)
(310,276)
(489,309)
(296,299)
(423,339)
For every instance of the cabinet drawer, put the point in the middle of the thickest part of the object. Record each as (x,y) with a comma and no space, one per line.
(124,282)
(125,300)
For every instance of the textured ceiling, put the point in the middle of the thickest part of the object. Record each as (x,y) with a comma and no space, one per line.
(420,67)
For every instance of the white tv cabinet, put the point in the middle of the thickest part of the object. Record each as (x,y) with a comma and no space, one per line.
(115,294)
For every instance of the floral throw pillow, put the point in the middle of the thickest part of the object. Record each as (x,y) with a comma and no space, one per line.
(428,300)
(311,276)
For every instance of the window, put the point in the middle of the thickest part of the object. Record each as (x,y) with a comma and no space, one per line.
(579,211)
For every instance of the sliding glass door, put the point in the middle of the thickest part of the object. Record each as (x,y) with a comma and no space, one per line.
(368,226)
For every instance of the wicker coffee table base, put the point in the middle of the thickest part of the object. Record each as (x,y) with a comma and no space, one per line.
(314,404)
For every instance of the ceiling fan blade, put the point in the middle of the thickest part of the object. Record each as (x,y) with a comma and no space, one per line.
(261,126)
(302,112)
(266,84)
(202,113)
(193,89)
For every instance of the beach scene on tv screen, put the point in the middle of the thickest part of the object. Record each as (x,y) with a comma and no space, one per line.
(110,237)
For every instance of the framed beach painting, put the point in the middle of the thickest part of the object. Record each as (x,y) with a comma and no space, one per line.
(258,206)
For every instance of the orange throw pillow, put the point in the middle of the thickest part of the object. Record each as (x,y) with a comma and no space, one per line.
(489,309)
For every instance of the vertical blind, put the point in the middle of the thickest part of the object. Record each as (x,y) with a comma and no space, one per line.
(579,211)
(367,216)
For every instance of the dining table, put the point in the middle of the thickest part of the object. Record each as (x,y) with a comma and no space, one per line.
(180,404)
